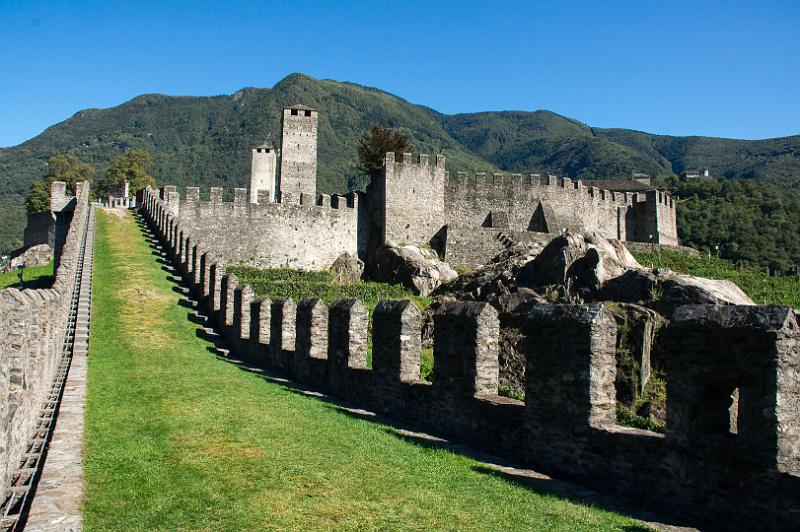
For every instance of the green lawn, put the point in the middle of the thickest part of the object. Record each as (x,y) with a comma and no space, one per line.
(177,438)
(761,288)
(36,277)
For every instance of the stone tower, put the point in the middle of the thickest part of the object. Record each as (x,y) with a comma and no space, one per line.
(409,198)
(299,151)
(262,172)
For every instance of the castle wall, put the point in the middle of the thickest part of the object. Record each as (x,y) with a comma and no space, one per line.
(409,199)
(707,468)
(32,329)
(473,247)
(653,220)
(299,151)
(295,234)
(565,205)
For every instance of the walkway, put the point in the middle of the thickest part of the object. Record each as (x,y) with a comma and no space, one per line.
(57,501)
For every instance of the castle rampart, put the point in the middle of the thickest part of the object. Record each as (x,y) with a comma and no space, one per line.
(33,325)
(742,470)
(294,231)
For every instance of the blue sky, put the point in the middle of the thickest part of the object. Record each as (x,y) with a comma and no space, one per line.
(707,68)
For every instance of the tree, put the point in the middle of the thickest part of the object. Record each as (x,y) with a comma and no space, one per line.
(131,168)
(38,199)
(376,142)
(65,167)
(69,169)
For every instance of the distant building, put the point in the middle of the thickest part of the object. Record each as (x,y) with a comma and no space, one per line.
(641,177)
(688,175)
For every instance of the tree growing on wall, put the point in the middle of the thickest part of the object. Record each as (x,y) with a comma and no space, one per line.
(131,168)
(65,167)
(379,139)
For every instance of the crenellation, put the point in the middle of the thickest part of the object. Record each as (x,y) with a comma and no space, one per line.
(466,347)
(312,334)
(227,287)
(283,315)
(192,195)
(215,195)
(260,322)
(578,341)
(396,357)
(242,300)
(347,334)
(240,197)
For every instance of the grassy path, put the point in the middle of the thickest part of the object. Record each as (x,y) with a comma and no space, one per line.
(179,439)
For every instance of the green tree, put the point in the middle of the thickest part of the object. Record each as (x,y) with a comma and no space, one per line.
(38,199)
(376,142)
(65,167)
(131,168)
(69,169)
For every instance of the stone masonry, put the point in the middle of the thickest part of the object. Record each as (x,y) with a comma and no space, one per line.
(730,457)
(33,325)
(467,219)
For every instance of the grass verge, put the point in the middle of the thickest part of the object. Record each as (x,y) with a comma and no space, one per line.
(35,277)
(177,438)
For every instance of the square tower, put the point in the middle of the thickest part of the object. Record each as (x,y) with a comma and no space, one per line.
(262,172)
(299,151)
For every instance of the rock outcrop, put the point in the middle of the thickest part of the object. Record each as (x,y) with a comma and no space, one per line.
(38,255)
(347,269)
(416,268)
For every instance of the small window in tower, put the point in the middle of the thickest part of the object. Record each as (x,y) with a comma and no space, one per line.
(308,113)
(294,112)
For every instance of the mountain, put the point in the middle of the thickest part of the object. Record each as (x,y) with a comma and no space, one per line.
(525,141)
(206,141)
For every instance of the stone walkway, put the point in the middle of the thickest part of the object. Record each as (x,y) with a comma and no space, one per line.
(56,504)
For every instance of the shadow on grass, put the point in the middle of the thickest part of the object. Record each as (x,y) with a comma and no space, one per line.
(488,465)
(34,284)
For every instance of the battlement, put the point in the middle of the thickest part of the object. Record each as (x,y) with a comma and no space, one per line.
(193,197)
(422,160)
(500,181)
(293,232)
(567,424)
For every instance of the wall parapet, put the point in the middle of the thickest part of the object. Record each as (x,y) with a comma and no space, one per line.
(567,425)
(506,181)
(33,325)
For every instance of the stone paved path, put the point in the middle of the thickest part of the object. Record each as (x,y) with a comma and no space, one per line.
(56,504)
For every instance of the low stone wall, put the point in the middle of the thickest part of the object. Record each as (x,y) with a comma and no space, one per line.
(711,467)
(32,331)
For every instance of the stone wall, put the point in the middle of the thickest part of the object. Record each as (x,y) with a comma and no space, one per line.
(706,469)
(291,233)
(552,205)
(408,199)
(473,247)
(32,331)
(652,219)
